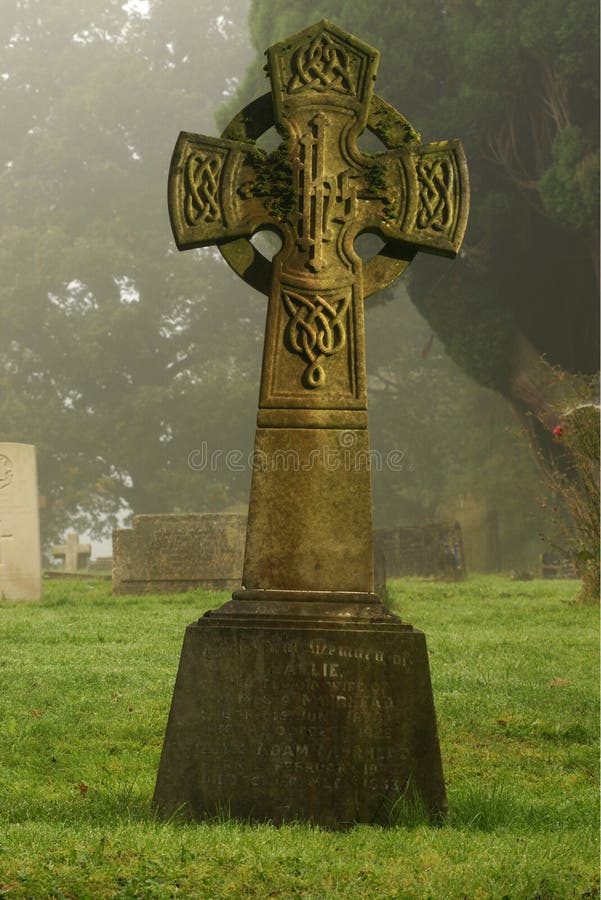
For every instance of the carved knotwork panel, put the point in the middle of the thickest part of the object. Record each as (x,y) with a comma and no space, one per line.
(441,196)
(315,330)
(322,59)
(323,64)
(202,172)
(436,184)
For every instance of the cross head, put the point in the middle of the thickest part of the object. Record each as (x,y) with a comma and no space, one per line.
(319,192)
(72,552)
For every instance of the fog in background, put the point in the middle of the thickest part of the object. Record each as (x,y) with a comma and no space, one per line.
(120,357)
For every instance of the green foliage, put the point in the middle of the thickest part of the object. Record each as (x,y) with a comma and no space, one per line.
(518,83)
(88,680)
(274,182)
(572,476)
(119,358)
(114,350)
(570,186)
(452,437)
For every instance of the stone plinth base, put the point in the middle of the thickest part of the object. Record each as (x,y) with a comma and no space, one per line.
(317,712)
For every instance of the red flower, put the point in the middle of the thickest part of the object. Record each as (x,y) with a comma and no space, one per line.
(557,431)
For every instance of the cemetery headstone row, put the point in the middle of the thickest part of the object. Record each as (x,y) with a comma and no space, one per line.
(432,551)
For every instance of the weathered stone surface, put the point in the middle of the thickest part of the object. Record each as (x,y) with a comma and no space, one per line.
(310,520)
(553,564)
(74,555)
(101,564)
(20,557)
(167,553)
(275,717)
(434,550)
(264,723)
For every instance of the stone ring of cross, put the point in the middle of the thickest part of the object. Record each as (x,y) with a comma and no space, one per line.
(392,129)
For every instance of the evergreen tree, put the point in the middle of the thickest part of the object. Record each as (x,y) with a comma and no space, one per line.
(517,81)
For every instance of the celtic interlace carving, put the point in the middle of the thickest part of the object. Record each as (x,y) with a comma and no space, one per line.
(323,65)
(315,330)
(201,180)
(436,181)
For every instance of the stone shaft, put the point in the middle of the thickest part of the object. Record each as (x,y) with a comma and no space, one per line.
(310,525)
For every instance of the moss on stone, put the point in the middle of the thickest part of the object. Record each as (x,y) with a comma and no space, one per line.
(274,182)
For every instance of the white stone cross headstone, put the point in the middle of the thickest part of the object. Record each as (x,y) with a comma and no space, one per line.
(75,555)
(20,559)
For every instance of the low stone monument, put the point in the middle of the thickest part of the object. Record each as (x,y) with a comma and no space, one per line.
(74,555)
(101,564)
(433,550)
(163,554)
(555,564)
(20,557)
(304,698)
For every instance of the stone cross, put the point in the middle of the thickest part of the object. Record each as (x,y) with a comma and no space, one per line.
(72,552)
(304,698)
(310,526)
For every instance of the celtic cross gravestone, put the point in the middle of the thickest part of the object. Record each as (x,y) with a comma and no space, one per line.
(304,697)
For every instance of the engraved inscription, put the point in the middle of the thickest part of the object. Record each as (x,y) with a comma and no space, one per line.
(6,471)
(315,330)
(201,180)
(322,65)
(312,690)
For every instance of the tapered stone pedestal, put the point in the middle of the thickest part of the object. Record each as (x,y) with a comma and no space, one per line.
(284,711)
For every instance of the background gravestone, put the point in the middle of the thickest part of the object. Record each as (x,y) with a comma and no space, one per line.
(20,557)
(434,550)
(74,555)
(167,553)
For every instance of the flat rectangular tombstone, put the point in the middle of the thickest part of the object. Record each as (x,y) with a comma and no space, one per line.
(170,553)
(432,550)
(20,557)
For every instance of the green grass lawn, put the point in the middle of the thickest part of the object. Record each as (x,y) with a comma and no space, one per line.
(86,682)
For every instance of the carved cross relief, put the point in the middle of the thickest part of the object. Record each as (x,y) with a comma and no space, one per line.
(319,192)
(4,536)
